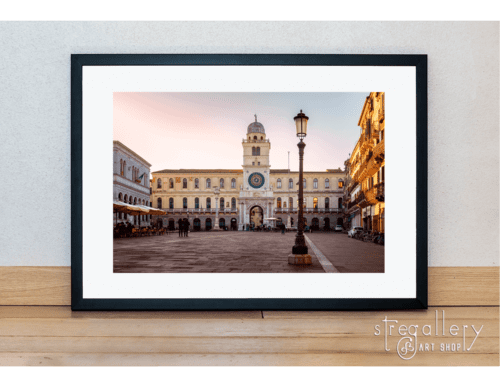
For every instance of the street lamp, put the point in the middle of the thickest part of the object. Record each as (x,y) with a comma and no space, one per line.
(299,255)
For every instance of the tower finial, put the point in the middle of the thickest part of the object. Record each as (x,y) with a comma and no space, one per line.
(255,117)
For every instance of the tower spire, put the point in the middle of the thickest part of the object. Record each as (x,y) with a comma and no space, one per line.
(255,117)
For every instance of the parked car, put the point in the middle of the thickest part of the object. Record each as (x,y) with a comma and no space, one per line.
(353,231)
(338,228)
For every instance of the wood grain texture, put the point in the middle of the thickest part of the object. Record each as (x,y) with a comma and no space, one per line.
(55,335)
(448,286)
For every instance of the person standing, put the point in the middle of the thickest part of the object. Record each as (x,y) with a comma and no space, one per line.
(186,228)
(181,228)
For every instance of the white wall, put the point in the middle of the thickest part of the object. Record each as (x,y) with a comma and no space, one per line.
(35,208)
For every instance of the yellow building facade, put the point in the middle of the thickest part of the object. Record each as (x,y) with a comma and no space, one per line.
(254,195)
(365,184)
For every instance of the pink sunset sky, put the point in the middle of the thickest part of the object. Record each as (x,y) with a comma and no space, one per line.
(205,130)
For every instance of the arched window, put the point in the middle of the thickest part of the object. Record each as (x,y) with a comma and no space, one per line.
(233,183)
(261,138)
(135,201)
(209,203)
(171,183)
(305,183)
(278,183)
(196,183)
(257,151)
(340,202)
(315,183)
(315,202)
(255,137)
(221,183)
(130,200)
(158,201)
(170,202)
(253,151)
(120,197)
(185,183)
(158,184)
(278,201)
(233,203)
(290,183)
(327,202)
(184,203)
(124,169)
(290,202)
(209,183)
(327,184)
(221,203)
(196,202)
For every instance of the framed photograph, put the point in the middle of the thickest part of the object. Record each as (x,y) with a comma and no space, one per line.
(249,182)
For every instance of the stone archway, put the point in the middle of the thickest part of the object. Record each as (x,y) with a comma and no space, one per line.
(256,216)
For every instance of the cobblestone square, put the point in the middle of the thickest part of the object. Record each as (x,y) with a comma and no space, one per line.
(240,252)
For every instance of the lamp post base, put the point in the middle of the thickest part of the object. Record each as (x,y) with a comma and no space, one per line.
(299,259)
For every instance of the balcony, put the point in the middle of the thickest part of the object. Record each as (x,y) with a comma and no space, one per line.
(308,210)
(244,140)
(380,192)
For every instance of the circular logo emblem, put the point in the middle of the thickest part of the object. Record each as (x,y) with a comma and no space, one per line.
(256,180)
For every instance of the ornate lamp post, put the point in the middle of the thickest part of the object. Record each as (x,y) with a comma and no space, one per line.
(299,255)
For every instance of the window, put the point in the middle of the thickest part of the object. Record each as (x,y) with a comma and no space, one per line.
(184,203)
(304,203)
(233,203)
(221,182)
(196,183)
(121,167)
(255,137)
(209,183)
(258,163)
(129,200)
(233,183)
(341,184)
(279,202)
(327,184)
(171,203)
(158,184)
(383,174)
(120,197)
(124,168)
(185,183)
(135,201)
(171,183)
(261,138)
(158,203)
(257,151)
(253,151)
(284,204)
(327,202)
(196,202)
(278,183)
(290,202)
(209,203)
(290,183)
(305,183)
(315,203)
(315,183)
(253,163)
(222,203)
(340,202)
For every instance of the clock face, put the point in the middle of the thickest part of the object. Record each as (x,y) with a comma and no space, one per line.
(256,180)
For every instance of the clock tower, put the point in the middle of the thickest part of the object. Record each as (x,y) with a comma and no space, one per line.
(256,197)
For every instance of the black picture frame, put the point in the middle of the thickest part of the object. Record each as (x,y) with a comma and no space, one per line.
(78,61)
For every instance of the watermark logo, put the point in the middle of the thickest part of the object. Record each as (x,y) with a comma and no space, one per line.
(414,339)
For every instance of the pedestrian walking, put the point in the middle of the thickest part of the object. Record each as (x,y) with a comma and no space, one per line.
(181,228)
(282,228)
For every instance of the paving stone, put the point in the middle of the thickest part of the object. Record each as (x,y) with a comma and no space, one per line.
(205,252)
